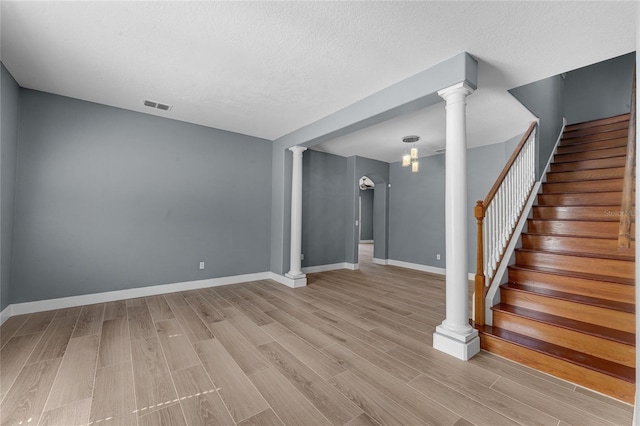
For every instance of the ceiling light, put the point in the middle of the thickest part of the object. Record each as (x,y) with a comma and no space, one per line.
(411,158)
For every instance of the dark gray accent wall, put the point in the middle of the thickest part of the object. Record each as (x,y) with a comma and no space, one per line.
(9,91)
(545,99)
(324,183)
(366,214)
(109,199)
(417,204)
(600,90)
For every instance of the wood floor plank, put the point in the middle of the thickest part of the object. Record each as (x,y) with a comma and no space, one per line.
(239,395)
(69,312)
(406,342)
(376,404)
(113,400)
(9,328)
(176,346)
(337,409)
(13,357)
(152,380)
(362,420)
(311,335)
(475,384)
(76,413)
(547,404)
(201,403)
(249,329)
(313,358)
(114,342)
(205,310)
(159,308)
(397,368)
(74,381)
(427,410)
(27,397)
(140,322)
(116,309)
(169,415)
(441,366)
(241,350)
(90,320)
(254,313)
(459,403)
(357,332)
(287,402)
(54,341)
(195,330)
(214,298)
(37,322)
(264,418)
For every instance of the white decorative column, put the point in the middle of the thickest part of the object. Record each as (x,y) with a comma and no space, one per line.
(455,336)
(295,272)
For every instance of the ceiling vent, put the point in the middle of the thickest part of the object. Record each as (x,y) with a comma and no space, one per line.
(157,105)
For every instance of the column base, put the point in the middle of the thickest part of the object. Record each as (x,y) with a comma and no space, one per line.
(461,346)
(294,281)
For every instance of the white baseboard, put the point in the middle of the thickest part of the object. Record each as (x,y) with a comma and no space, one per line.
(110,296)
(330,267)
(424,268)
(366,241)
(417,266)
(5,314)
(380,261)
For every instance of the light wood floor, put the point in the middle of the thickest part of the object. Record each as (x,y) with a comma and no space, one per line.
(351,348)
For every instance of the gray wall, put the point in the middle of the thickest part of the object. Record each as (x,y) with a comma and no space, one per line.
(599,90)
(109,199)
(416,212)
(545,99)
(366,214)
(324,183)
(417,203)
(8,145)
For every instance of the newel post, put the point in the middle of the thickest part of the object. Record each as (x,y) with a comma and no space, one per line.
(480,282)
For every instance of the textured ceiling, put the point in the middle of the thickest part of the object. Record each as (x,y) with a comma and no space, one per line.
(268,68)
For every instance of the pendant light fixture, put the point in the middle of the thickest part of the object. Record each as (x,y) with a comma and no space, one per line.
(411,158)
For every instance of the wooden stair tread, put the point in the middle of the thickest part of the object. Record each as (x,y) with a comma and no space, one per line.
(571,324)
(596,123)
(580,254)
(591,362)
(581,275)
(572,297)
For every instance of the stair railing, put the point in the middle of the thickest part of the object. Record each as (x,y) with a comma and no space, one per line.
(626,209)
(498,214)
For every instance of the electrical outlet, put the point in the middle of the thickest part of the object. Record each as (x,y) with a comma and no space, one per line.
(201,265)
(301,256)
(438,256)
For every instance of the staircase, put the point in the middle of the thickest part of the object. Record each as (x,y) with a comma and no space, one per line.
(568,308)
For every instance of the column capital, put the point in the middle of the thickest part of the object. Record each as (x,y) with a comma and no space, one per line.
(458,88)
(297,149)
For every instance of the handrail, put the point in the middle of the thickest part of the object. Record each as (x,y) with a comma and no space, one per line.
(498,214)
(512,159)
(626,207)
